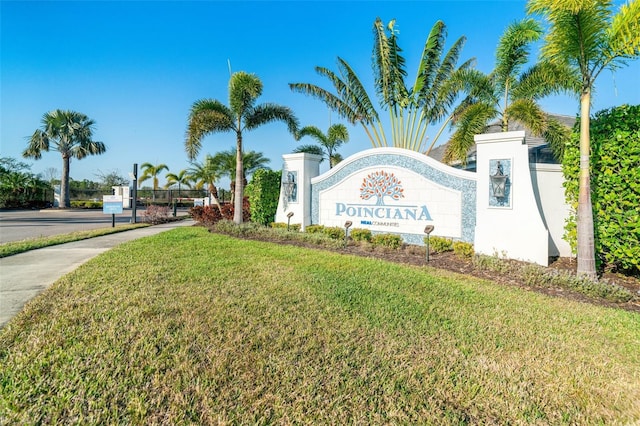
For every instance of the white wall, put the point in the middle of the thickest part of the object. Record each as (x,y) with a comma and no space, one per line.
(305,166)
(547,182)
(515,231)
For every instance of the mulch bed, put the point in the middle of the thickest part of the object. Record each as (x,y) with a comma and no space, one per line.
(415,256)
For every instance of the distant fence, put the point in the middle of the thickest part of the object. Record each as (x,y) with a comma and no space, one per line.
(150,196)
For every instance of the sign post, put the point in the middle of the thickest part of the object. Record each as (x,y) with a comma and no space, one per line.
(112,204)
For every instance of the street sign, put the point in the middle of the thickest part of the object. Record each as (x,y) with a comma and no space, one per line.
(112,204)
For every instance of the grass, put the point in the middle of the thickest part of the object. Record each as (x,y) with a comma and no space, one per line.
(207,329)
(15,247)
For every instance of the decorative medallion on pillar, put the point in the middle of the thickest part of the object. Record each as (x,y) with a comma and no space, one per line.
(500,183)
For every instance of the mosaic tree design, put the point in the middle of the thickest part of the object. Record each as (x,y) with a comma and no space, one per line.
(381,184)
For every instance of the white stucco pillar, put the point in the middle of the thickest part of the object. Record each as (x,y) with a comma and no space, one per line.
(508,226)
(295,189)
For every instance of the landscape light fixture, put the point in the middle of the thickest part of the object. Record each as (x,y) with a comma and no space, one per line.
(428,230)
(347,225)
(498,182)
(289,219)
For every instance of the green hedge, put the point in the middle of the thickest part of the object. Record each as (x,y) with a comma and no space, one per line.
(615,186)
(263,195)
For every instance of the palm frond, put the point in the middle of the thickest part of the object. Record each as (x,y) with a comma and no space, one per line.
(468,123)
(244,89)
(269,112)
(332,101)
(312,131)
(355,94)
(388,66)
(556,135)
(624,33)
(338,133)
(529,113)
(310,149)
(513,49)
(438,102)
(544,79)
(206,116)
(38,142)
(430,59)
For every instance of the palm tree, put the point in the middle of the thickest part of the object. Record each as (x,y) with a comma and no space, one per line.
(210,116)
(225,164)
(71,134)
(329,143)
(509,93)
(411,109)
(585,36)
(182,178)
(150,171)
(206,173)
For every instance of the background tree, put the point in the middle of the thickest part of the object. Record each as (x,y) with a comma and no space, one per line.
(510,93)
(51,175)
(225,163)
(411,109)
(329,143)
(150,171)
(211,116)
(71,134)
(111,179)
(182,178)
(19,187)
(206,174)
(588,38)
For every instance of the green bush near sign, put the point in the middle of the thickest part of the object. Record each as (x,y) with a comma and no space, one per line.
(615,188)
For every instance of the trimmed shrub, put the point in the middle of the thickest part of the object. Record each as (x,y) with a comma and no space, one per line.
(263,197)
(615,188)
(156,214)
(392,241)
(207,215)
(282,225)
(439,244)
(359,234)
(334,232)
(464,250)
(85,204)
(314,229)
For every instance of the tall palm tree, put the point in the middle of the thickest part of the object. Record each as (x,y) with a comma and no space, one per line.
(71,134)
(329,143)
(150,171)
(182,178)
(411,109)
(586,36)
(211,116)
(510,93)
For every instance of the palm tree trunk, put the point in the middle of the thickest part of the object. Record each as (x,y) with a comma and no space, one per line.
(65,199)
(237,201)
(586,247)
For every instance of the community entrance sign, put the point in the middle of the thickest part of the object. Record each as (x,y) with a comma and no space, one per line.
(500,209)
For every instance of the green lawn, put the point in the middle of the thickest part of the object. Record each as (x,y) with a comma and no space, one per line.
(16,247)
(190,327)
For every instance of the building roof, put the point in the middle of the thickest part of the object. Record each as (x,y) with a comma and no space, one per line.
(540,152)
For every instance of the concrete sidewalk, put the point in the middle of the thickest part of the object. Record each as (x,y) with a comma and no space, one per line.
(25,275)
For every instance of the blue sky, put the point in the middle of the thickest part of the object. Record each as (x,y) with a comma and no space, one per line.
(136,67)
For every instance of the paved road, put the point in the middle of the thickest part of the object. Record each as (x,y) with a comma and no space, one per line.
(25,275)
(16,225)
